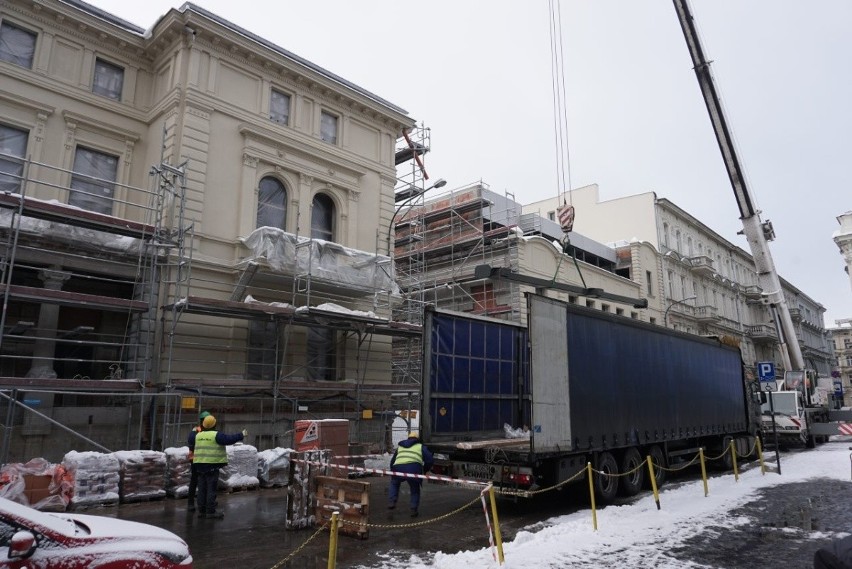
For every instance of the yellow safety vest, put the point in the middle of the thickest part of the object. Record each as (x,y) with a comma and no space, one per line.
(410,455)
(207,450)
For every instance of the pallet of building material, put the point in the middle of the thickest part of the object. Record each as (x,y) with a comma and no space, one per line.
(502,443)
(178,468)
(350,498)
(273,467)
(142,475)
(301,490)
(94,478)
(241,470)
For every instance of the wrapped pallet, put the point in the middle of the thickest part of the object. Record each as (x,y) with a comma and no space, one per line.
(142,475)
(94,478)
(241,471)
(35,483)
(273,467)
(177,471)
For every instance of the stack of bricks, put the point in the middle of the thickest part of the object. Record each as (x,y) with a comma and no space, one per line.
(142,475)
(177,471)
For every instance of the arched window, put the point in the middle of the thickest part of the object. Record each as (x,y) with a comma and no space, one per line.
(271,204)
(322,218)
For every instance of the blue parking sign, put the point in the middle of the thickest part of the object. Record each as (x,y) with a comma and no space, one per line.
(766,371)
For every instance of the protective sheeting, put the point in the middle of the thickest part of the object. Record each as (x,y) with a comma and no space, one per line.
(324,260)
(273,467)
(94,477)
(73,234)
(241,471)
(177,471)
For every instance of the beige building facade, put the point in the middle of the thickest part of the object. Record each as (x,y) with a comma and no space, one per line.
(190,208)
(841,337)
(843,237)
(708,284)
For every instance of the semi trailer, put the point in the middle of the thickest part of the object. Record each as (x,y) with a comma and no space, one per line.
(528,406)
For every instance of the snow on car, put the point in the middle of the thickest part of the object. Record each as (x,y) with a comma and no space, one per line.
(40,540)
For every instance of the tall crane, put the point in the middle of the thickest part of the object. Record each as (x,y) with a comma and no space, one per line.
(757,232)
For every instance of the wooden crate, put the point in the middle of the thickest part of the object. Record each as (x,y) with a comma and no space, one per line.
(351,498)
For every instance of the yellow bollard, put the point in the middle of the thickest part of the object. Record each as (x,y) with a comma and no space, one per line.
(703,471)
(760,455)
(653,481)
(332,542)
(498,539)
(734,460)
(592,495)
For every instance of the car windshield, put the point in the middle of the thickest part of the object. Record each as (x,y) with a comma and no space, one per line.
(784,403)
(59,524)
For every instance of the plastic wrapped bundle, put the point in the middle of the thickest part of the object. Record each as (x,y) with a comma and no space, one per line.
(241,471)
(273,467)
(142,475)
(93,476)
(177,471)
(36,483)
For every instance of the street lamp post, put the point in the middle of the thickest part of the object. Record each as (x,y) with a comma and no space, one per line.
(411,193)
(681,301)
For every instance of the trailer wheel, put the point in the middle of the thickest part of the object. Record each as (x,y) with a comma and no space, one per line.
(633,464)
(606,483)
(659,459)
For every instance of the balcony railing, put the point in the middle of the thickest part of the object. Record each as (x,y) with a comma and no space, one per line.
(752,292)
(706,314)
(702,265)
(761,333)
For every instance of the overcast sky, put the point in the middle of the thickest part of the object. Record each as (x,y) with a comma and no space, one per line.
(478,73)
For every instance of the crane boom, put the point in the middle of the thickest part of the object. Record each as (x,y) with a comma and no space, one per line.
(757,233)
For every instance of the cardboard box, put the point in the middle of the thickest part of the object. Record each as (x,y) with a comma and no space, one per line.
(37,487)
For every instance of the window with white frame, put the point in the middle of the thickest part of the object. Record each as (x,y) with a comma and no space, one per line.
(551,215)
(279,107)
(13,148)
(328,127)
(17,45)
(109,79)
(322,218)
(92,186)
(271,204)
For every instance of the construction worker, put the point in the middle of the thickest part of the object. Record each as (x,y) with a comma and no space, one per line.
(209,456)
(411,457)
(193,474)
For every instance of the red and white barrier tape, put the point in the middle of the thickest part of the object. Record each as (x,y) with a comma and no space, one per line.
(434,477)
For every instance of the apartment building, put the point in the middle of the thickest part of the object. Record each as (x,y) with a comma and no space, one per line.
(191,217)
(708,284)
(841,337)
(843,237)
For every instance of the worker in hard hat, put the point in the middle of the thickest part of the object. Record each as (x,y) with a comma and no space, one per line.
(411,457)
(210,455)
(193,473)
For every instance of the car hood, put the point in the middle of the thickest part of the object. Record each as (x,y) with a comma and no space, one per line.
(123,535)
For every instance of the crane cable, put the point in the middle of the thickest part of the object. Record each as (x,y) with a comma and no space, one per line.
(560,112)
(560,127)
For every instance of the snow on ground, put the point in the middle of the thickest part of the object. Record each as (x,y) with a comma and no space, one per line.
(638,535)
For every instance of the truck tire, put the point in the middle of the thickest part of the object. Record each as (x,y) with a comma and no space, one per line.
(632,463)
(606,483)
(659,460)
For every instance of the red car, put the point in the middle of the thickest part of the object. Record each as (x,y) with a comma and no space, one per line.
(38,540)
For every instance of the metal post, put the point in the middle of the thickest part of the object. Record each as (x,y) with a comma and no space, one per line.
(7,431)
